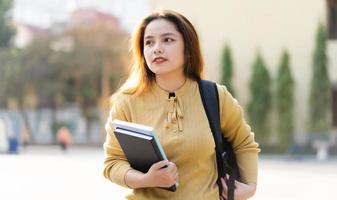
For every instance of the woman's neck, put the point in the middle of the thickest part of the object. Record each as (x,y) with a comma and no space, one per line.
(170,84)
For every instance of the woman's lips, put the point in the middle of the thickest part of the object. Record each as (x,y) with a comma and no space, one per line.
(159,60)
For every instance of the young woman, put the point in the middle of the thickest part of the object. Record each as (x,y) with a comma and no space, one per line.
(162,92)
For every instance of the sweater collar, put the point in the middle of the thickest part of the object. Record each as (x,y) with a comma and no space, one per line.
(179,92)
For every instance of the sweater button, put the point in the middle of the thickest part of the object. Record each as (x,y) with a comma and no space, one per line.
(174,131)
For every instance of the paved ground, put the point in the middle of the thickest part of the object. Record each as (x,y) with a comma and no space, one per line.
(40,173)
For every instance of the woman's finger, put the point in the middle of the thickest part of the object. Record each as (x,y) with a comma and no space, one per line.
(224,186)
(160,164)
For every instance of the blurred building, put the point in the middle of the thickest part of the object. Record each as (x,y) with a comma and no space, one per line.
(46,13)
(25,33)
(90,17)
(267,26)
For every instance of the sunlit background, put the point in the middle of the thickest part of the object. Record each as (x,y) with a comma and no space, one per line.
(60,61)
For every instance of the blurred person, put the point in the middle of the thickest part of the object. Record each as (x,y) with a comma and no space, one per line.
(12,126)
(3,137)
(64,138)
(162,92)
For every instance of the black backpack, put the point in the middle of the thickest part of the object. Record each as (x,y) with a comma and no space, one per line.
(225,157)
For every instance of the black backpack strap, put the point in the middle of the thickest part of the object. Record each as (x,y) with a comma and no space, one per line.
(224,152)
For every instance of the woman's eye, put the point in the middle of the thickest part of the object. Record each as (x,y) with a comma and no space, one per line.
(168,40)
(148,42)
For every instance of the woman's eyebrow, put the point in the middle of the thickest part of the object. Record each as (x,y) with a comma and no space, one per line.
(148,37)
(161,35)
(167,34)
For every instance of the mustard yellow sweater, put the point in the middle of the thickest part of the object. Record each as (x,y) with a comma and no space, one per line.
(183,130)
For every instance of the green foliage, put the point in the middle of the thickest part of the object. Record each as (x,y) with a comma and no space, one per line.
(285,103)
(260,103)
(227,69)
(41,70)
(95,48)
(10,75)
(320,94)
(6,32)
(9,65)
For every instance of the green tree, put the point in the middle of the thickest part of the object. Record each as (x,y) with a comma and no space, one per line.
(260,103)
(285,103)
(94,63)
(70,66)
(9,67)
(42,71)
(227,69)
(320,96)
(6,31)
(95,58)
(10,76)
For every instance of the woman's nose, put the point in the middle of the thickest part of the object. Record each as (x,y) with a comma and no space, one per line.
(157,49)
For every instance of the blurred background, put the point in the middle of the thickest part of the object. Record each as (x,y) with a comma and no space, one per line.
(60,61)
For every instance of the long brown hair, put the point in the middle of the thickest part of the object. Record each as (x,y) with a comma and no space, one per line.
(141,77)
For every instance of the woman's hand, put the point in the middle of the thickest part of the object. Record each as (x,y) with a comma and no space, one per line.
(162,174)
(242,191)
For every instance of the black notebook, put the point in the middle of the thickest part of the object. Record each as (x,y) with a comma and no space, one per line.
(140,145)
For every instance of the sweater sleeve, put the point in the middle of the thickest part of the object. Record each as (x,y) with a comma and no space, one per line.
(115,163)
(239,134)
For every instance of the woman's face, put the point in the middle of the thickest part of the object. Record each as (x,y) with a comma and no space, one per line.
(163,48)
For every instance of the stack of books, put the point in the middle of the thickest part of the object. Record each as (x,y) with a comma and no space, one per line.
(140,145)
